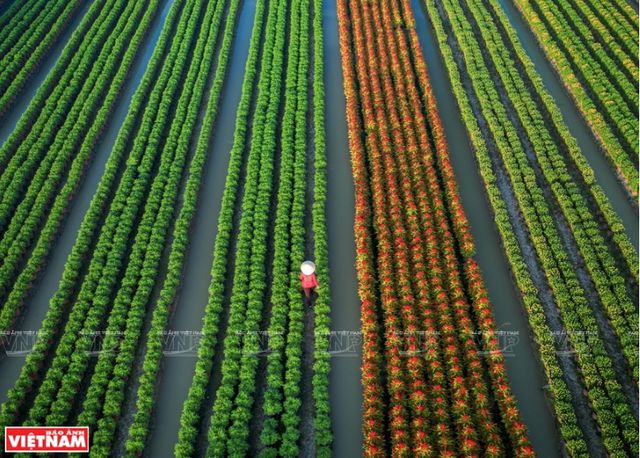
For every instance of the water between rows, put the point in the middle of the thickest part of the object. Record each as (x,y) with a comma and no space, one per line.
(9,121)
(524,370)
(37,304)
(344,383)
(575,122)
(177,370)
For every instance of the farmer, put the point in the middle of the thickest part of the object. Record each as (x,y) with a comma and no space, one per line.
(308,280)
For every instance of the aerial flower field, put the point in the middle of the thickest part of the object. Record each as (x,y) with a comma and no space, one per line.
(315,228)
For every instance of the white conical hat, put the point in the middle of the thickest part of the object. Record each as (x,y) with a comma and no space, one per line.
(308,267)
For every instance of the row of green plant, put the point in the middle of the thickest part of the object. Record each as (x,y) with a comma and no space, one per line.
(625,34)
(616,39)
(17,12)
(562,402)
(27,151)
(113,229)
(193,407)
(17,18)
(45,90)
(139,279)
(601,52)
(139,429)
(609,281)
(284,312)
(322,308)
(295,335)
(88,230)
(231,410)
(570,145)
(627,12)
(20,230)
(597,99)
(29,14)
(25,47)
(69,363)
(62,169)
(610,406)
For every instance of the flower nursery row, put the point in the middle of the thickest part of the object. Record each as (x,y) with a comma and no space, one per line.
(427,391)
(601,380)
(603,87)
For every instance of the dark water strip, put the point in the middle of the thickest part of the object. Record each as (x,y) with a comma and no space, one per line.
(525,372)
(177,372)
(37,304)
(345,389)
(605,175)
(23,99)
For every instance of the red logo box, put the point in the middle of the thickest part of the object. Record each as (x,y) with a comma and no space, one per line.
(53,439)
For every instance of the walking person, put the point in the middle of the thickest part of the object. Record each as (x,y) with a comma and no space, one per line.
(308,280)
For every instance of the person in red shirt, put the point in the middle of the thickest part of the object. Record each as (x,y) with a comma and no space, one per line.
(308,279)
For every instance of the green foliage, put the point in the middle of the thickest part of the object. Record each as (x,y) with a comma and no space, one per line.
(24,41)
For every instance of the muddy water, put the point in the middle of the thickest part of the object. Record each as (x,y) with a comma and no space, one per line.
(37,304)
(344,384)
(29,90)
(177,371)
(521,360)
(605,175)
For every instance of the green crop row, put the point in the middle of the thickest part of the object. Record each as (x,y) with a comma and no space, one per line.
(35,217)
(142,268)
(322,307)
(17,12)
(27,150)
(294,347)
(592,97)
(17,18)
(70,57)
(601,53)
(626,36)
(607,277)
(285,225)
(21,228)
(190,417)
(27,43)
(600,380)
(114,232)
(613,221)
(617,39)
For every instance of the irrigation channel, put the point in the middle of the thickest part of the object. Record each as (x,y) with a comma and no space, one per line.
(345,387)
(37,303)
(23,99)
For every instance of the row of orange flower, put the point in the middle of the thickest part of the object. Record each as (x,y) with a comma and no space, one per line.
(435,400)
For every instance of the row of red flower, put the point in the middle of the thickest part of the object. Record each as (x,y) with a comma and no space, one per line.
(401,205)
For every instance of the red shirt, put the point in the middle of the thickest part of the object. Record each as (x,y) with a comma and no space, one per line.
(308,281)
